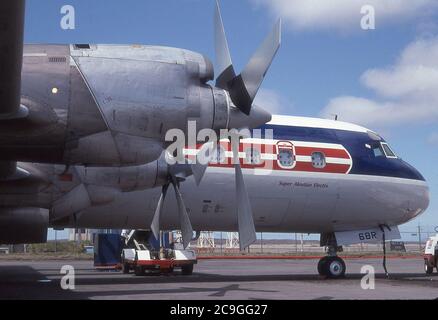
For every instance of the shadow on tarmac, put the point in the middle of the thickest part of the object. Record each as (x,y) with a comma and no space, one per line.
(25,282)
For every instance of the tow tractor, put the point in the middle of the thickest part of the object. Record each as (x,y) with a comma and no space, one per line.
(431,255)
(142,253)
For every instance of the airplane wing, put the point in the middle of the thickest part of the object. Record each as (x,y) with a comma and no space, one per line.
(11,58)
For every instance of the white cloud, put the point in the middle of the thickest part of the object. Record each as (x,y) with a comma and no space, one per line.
(380,114)
(416,72)
(272,101)
(408,91)
(343,14)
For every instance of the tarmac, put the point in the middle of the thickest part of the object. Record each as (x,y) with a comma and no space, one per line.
(235,279)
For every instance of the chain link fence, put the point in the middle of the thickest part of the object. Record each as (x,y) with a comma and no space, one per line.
(413,242)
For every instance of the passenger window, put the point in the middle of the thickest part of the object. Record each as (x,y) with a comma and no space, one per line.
(253,156)
(318,160)
(286,158)
(285,155)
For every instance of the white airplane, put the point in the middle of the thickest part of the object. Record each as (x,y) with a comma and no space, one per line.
(328,177)
(82,144)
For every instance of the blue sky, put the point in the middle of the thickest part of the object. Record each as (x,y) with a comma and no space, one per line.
(325,56)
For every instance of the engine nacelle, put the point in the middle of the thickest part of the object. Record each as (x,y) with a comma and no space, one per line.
(125,179)
(23,225)
(100,105)
(97,186)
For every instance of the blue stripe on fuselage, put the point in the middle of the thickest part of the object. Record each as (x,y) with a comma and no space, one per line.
(364,161)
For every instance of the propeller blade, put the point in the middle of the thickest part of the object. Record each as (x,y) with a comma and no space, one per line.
(245,220)
(203,158)
(185,224)
(198,171)
(223,57)
(244,87)
(155,225)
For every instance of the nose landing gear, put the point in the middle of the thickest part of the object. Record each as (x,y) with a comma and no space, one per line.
(331,266)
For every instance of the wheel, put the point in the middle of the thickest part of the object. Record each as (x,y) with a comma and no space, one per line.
(334,268)
(125,267)
(187,270)
(321,267)
(166,271)
(427,268)
(139,271)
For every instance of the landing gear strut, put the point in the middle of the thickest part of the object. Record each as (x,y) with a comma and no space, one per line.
(331,266)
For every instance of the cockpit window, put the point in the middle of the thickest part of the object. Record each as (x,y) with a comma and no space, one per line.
(388,151)
(378,151)
(383,150)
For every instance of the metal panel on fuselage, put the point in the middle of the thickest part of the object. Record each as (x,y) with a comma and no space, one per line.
(308,211)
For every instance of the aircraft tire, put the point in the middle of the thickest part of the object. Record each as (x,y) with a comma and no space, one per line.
(187,270)
(125,267)
(427,268)
(321,266)
(334,268)
(139,271)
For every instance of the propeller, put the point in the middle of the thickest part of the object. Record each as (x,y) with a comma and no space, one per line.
(242,90)
(176,175)
(244,87)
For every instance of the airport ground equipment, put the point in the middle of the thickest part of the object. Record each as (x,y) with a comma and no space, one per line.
(142,255)
(431,255)
(107,251)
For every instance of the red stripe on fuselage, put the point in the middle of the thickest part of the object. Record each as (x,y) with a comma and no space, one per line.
(329,153)
(273,164)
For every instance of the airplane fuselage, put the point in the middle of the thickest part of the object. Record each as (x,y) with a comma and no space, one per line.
(315,176)
(356,185)
(112,105)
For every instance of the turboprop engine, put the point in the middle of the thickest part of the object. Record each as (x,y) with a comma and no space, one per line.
(112,105)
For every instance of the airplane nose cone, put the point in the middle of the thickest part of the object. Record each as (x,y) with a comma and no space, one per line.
(420,194)
(419,199)
(424,198)
(257,117)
